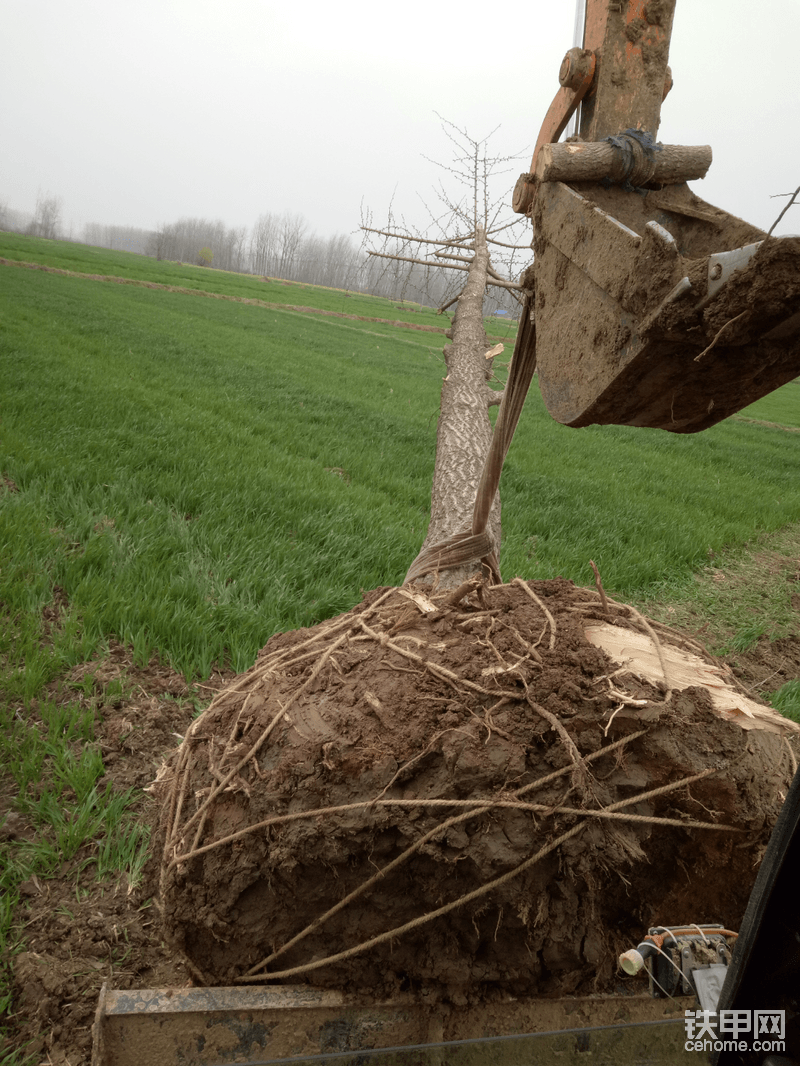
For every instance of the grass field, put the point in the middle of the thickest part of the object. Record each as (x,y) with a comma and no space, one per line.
(81,259)
(190,475)
(199,474)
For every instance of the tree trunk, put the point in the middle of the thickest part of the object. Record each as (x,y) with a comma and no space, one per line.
(464,431)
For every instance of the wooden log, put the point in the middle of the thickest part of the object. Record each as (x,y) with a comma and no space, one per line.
(672,164)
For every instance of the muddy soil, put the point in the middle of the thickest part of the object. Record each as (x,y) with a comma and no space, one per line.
(79,933)
(391,710)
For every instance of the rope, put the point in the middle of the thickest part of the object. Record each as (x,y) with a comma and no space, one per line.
(470,896)
(636,151)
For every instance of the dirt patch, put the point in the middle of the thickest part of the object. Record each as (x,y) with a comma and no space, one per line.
(769,664)
(769,425)
(78,939)
(78,933)
(148,716)
(420,734)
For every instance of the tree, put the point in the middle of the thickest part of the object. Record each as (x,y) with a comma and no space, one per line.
(204,257)
(453,544)
(47,216)
(443,705)
(291,230)
(263,242)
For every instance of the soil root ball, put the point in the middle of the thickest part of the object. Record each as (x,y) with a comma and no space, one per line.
(469,799)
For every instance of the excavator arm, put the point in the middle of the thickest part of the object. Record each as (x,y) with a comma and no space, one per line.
(650,307)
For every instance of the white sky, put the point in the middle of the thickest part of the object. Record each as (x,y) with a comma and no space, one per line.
(137,112)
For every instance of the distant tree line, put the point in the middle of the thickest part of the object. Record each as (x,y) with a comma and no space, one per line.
(184,240)
(44,222)
(119,238)
(277,246)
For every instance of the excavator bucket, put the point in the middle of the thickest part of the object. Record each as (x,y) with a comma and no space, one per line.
(651,307)
(649,316)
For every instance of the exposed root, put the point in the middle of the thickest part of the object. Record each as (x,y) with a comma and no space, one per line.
(719,333)
(580,777)
(518,581)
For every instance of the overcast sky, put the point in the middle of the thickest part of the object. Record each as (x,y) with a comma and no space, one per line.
(138,112)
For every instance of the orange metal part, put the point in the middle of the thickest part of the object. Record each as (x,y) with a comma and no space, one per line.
(580,73)
(624,44)
(631,42)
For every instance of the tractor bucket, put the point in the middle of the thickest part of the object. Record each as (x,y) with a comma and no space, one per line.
(658,309)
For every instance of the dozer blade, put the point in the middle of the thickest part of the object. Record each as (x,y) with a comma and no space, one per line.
(304,1025)
(658,310)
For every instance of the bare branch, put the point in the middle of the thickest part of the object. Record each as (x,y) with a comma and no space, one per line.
(780,216)
(450,303)
(419,262)
(409,237)
(459,258)
(500,283)
(502,244)
(508,225)
(463,259)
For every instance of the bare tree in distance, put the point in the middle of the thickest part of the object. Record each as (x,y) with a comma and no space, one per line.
(47,216)
(461,237)
(291,231)
(183,241)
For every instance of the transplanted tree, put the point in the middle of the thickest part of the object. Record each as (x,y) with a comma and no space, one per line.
(463,530)
(374,804)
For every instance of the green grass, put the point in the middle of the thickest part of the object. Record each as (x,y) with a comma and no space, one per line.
(52,772)
(197,474)
(84,259)
(180,461)
(782,406)
(787,700)
(647,506)
(741,594)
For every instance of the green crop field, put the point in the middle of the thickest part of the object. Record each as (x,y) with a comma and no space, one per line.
(81,259)
(196,474)
(189,475)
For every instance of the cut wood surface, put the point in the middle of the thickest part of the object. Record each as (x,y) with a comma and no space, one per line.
(638,652)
